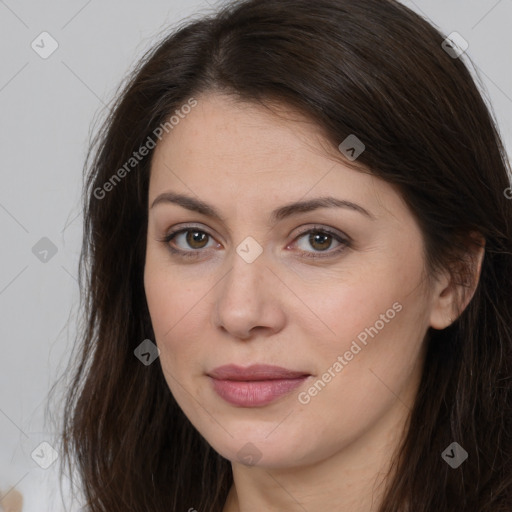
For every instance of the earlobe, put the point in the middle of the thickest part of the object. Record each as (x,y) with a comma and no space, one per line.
(450,295)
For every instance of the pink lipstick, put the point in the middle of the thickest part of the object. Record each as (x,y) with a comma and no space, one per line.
(256,385)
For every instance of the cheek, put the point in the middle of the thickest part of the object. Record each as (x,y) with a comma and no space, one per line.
(168,294)
(358,300)
(176,303)
(173,308)
(376,321)
(352,393)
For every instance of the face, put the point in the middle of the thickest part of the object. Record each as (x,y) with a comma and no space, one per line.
(333,291)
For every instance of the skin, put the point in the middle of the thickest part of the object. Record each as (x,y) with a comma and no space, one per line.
(285,308)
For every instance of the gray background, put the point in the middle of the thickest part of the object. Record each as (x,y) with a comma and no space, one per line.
(48,109)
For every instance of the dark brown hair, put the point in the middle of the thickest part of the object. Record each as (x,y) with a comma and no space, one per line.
(372,68)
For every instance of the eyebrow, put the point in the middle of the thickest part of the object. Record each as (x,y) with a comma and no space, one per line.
(196,205)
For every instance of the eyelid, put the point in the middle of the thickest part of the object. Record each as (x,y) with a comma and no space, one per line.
(344,240)
(339,236)
(325,229)
(180,229)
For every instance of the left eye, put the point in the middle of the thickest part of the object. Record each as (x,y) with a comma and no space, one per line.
(318,240)
(321,240)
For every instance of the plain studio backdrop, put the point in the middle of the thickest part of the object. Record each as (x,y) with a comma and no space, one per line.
(61,63)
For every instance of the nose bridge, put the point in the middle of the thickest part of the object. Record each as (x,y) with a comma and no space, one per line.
(245,283)
(245,299)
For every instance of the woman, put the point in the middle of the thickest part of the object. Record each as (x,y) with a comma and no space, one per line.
(296,271)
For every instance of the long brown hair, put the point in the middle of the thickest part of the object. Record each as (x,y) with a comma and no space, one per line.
(372,68)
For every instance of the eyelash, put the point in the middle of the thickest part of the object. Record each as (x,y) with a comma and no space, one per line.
(345,242)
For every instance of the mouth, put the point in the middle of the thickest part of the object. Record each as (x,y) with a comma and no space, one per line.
(256,385)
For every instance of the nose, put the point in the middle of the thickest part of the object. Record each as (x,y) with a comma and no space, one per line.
(248,299)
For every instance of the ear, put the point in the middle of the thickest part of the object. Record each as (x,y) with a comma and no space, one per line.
(453,291)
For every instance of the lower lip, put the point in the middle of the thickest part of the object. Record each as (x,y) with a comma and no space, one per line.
(254,393)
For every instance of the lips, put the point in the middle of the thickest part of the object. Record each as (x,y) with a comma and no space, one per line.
(256,385)
(255,372)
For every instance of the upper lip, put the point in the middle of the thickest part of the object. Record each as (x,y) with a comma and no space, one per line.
(254,372)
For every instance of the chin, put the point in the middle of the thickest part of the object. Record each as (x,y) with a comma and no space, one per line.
(250,448)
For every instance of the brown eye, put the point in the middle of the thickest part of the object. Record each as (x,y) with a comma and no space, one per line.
(320,241)
(196,239)
(188,241)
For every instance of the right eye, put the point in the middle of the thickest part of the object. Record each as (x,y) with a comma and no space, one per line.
(189,240)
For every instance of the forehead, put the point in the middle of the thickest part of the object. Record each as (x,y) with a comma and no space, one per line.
(223,127)
(227,149)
